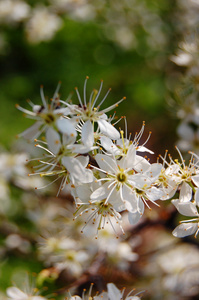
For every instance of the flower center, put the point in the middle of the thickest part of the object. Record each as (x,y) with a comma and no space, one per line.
(121,177)
(49,118)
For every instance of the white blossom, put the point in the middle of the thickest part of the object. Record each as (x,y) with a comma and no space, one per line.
(15,293)
(89,111)
(45,115)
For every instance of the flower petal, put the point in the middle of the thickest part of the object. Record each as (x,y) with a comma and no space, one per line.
(185,192)
(77,170)
(66,127)
(108,130)
(113,292)
(16,294)
(106,163)
(141,164)
(108,145)
(32,132)
(185,229)
(87,134)
(185,208)
(53,140)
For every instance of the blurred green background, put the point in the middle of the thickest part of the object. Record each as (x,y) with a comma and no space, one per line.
(138,70)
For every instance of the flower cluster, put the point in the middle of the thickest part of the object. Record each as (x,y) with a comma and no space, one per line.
(113,293)
(105,170)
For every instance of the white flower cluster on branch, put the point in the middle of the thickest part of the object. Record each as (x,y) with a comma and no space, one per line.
(104,169)
(112,293)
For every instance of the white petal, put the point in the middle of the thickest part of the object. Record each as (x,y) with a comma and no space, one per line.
(141,164)
(87,134)
(130,199)
(154,171)
(108,145)
(169,191)
(84,160)
(75,298)
(36,108)
(77,170)
(81,149)
(102,296)
(53,140)
(140,181)
(154,194)
(100,193)
(185,229)
(195,180)
(84,193)
(62,111)
(185,208)
(107,129)
(116,201)
(16,293)
(134,217)
(185,192)
(122,142)
(113,292)
(66,127)
(32,132)
(130,157)
(197,197)
(106,163)
(144,149)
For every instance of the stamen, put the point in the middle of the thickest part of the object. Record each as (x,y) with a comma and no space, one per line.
(112,106)
(104,98)
(97,96)
(79,98)
(45,104)
(26,111)
(55,93)
(85,82)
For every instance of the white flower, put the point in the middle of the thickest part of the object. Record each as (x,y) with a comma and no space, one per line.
(87,111)
(45,115)
(87,139)
(13,165)
(113,293)
(15,293)
(129,182)
(99,212)
(13,11)
(144,190)
(180,172)
(42,25)
(59,159)
(120,146)
(119,174)
(57,249)
(187,208)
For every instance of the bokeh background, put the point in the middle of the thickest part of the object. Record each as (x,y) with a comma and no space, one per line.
(128,44)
